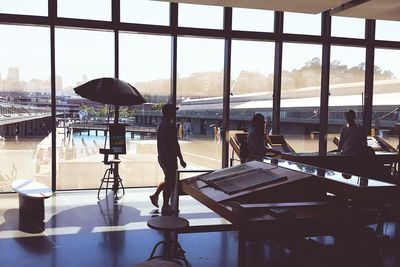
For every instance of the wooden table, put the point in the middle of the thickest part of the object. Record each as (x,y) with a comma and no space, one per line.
(298,206)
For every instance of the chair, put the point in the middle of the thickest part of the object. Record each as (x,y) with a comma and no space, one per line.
(172,250)
(279,144)
(236,141)
(111,175)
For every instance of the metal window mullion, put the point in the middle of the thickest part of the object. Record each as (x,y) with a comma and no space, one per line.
(52,13)
(276,107)
(173,18)
(369,74)
(227,85)
(325,75)
(116,21)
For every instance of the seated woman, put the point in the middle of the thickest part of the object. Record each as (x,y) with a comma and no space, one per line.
(256,139)
(353,139)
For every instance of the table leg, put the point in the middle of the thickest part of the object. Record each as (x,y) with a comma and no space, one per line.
(241,249)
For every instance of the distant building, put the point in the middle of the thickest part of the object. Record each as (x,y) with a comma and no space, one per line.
(13,74)
(59,82)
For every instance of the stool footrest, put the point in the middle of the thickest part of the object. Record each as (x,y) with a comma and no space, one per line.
(115,181)
(179,254)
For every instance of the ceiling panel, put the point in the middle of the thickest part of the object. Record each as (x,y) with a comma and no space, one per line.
(302,6)
(373,9)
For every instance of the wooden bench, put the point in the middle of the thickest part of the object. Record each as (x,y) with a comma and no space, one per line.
(31,196)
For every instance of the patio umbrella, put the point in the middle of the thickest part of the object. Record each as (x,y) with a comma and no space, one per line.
(115,92)
(110,91)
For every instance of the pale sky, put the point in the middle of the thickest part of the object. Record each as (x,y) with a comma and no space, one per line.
(147,57)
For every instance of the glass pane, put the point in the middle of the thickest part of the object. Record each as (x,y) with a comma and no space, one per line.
(79,164)
(251,86)
(301,83)
(246,19)
(145,12)
(144,63)
(387,30)
(199,96)
(200,16)
(348,27)
(24,7)
(84,9)
(346,87)
(25,107)
(386,100)
(302,23)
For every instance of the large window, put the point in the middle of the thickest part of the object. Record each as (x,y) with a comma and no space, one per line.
(251,85)
(300,96)
(200,16)
(25,105)
(199,96)
(144,63)
(25,7)
(146,59)
(84,9)
(79,164)
(387,30)
(346,88)
(245,19)
(300,23)
(386,99)
(348,27)
(145,12)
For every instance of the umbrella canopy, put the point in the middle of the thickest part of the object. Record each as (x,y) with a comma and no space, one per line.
(110,91)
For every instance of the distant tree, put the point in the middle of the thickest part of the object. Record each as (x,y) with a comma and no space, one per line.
(157,106)
(103,111)
(313,63)
(123,112)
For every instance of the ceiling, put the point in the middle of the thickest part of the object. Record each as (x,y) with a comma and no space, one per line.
(373,9)
(370,9)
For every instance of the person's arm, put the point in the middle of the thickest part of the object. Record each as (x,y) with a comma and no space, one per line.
(179,153)
(341,140)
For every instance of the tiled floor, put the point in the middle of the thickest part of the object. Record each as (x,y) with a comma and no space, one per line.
(80,231)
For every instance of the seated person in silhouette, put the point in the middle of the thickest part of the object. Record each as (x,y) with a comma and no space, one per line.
(168,152)
(353,139)
(256,139)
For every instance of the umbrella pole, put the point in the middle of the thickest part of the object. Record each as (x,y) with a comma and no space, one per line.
(116,156)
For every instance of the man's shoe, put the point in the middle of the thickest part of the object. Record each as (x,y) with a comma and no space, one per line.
(167,210)
(154,200)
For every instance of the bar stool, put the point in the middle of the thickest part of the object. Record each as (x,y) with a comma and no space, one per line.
(169,225)
(111,175)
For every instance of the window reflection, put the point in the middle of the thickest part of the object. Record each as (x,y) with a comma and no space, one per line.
(25,105)
(200,16)
(387,30)
(386,99)
(199,97)
(84,9)
(25,7)
(301,83)
(348,27)
(246,19)
(251,84)
(145,12)
(346,88)
(300,23)
(79,137)
(144,63)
